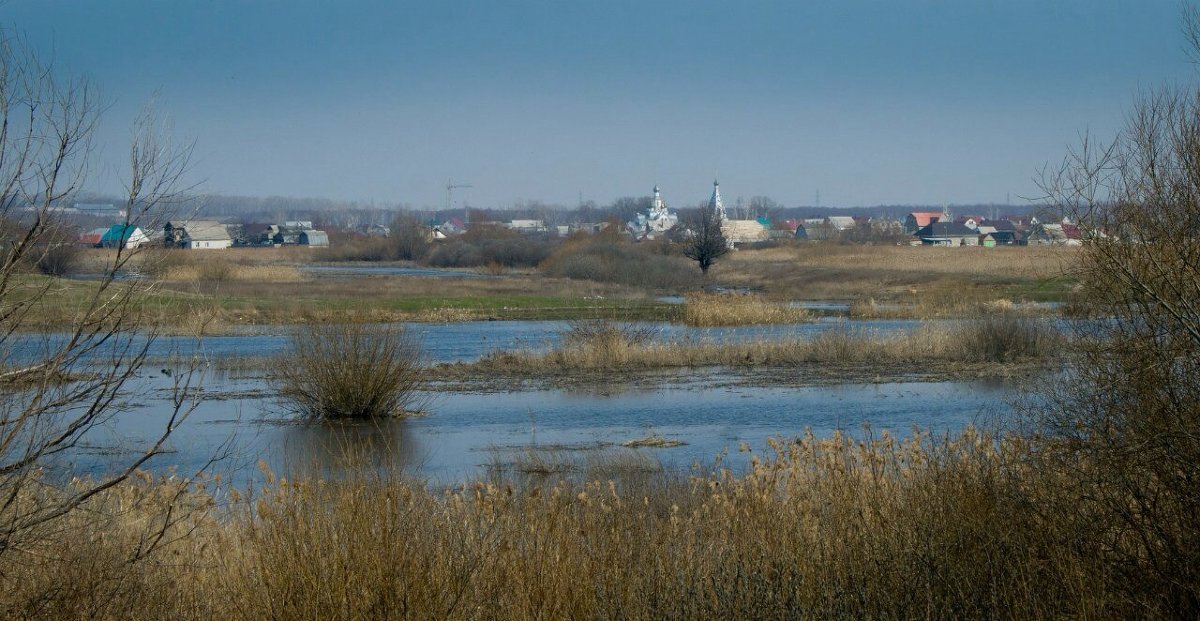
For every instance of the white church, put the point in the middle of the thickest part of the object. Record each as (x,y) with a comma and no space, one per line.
(736,231)
(654,223)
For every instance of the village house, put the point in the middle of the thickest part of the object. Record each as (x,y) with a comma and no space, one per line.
(314,238)
(841,223)
(947,234)
(918,220)
(1064,234)
(527,227)
(297,233)
(92,238)
(1001,238)
(197,235)
(127,235)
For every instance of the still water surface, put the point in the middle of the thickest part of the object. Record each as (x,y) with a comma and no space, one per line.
(463,432)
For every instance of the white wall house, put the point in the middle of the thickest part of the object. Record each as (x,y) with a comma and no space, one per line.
(198,235)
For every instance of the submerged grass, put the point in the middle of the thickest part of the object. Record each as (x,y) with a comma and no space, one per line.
(833,527)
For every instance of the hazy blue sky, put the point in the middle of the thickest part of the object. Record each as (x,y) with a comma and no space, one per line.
(869,101)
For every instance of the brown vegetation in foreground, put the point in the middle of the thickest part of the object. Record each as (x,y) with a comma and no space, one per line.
(834,528)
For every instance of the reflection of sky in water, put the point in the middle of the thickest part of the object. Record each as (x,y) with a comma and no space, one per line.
(464,431)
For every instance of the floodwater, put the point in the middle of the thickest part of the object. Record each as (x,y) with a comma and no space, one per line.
(463,433)
(471,340)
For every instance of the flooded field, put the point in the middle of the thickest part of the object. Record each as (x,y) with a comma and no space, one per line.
(463,433)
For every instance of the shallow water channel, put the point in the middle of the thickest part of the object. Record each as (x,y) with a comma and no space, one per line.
(464,432)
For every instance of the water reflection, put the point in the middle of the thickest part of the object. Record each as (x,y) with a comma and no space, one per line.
(326,449)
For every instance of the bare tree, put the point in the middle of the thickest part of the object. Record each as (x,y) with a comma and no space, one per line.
(1125,424)
(763,207)
(58,389)
(411,237)
(701,237)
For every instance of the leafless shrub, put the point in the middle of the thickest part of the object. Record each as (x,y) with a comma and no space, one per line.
(1124,425)
(45,145)
(57,259)
(585,332)
(349,370)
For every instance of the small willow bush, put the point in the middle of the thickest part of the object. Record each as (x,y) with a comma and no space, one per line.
(349,371)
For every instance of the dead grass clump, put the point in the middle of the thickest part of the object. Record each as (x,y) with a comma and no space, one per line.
(1006,336)
(123,554)
(606,333)
(712,310)
(348,371)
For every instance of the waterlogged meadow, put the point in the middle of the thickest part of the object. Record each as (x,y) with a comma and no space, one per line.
(591,468)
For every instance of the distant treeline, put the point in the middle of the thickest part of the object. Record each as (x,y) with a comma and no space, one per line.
(329,213)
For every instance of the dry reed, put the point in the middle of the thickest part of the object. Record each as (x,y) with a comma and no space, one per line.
(833,527)
(997,339)
(711,310)
(222,271)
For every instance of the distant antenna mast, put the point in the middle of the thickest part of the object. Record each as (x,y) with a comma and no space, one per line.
(818,197)
(450,187)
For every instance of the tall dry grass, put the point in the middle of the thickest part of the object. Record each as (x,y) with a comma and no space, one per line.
(997,339)
(818,528)
(217,271)
(713,309)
